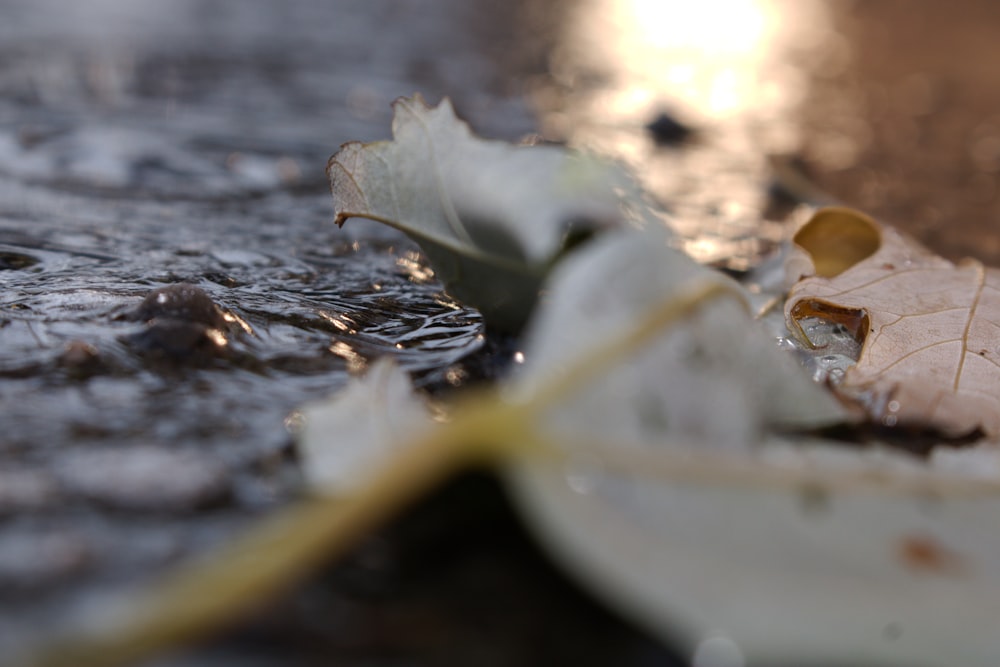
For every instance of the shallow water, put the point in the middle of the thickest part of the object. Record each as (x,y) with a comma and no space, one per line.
(145,144)
(142,147)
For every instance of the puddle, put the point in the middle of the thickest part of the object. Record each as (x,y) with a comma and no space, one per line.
(732,73)
(141,148)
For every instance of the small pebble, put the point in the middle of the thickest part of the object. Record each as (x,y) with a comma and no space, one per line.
(179,342)
(80,360)
(668,131)
(15,261)
(183,326)
(185,302)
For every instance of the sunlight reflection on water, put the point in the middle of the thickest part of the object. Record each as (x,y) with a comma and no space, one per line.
(735,70)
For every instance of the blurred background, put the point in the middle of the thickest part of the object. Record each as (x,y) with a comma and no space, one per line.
(144,143)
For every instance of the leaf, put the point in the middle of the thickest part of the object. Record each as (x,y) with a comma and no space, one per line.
(781,550)
(716,378)
(817,563)
(378,411)
(492,218)
(929,328)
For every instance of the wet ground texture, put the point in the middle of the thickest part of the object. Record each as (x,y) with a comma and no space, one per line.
(171,286)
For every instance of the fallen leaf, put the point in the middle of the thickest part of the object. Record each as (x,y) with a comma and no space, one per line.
(715,378)
(929,328)
(691,552)
(491,217)
(379,410)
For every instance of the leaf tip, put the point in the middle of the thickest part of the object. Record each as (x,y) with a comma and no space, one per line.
(349,198)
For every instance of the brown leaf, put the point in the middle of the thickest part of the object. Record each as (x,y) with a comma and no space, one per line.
(930,328)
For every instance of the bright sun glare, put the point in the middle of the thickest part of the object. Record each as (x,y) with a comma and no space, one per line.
(704,51)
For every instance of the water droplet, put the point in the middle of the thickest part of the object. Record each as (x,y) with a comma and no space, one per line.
(786,343)
(519,357)
(294,422)
(455,375)
(893,406)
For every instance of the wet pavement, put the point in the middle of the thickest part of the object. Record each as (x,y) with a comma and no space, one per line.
(146,145)
(172,285)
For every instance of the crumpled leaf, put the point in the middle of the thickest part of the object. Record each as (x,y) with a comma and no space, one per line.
(492,218)
(930,328)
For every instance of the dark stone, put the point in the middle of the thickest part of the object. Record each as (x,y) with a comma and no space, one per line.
(666,130)
(15,261)
(183,326)
(183,302)
(179,341)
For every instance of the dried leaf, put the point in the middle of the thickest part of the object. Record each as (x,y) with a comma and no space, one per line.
(491,217)
(930,355)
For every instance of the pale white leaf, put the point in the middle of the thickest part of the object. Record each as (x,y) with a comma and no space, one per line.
(344,438)
(790,573)
(677,501)
(716,377)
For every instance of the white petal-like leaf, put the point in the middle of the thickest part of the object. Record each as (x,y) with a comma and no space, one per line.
(813,568)
(716,377)
(678,503)
(343,439)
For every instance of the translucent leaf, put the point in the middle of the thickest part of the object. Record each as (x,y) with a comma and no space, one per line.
(716,377)
(491,217)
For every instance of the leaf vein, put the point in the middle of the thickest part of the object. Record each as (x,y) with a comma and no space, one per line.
(916,351)
(980,282)
(876,281)
(447,206)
